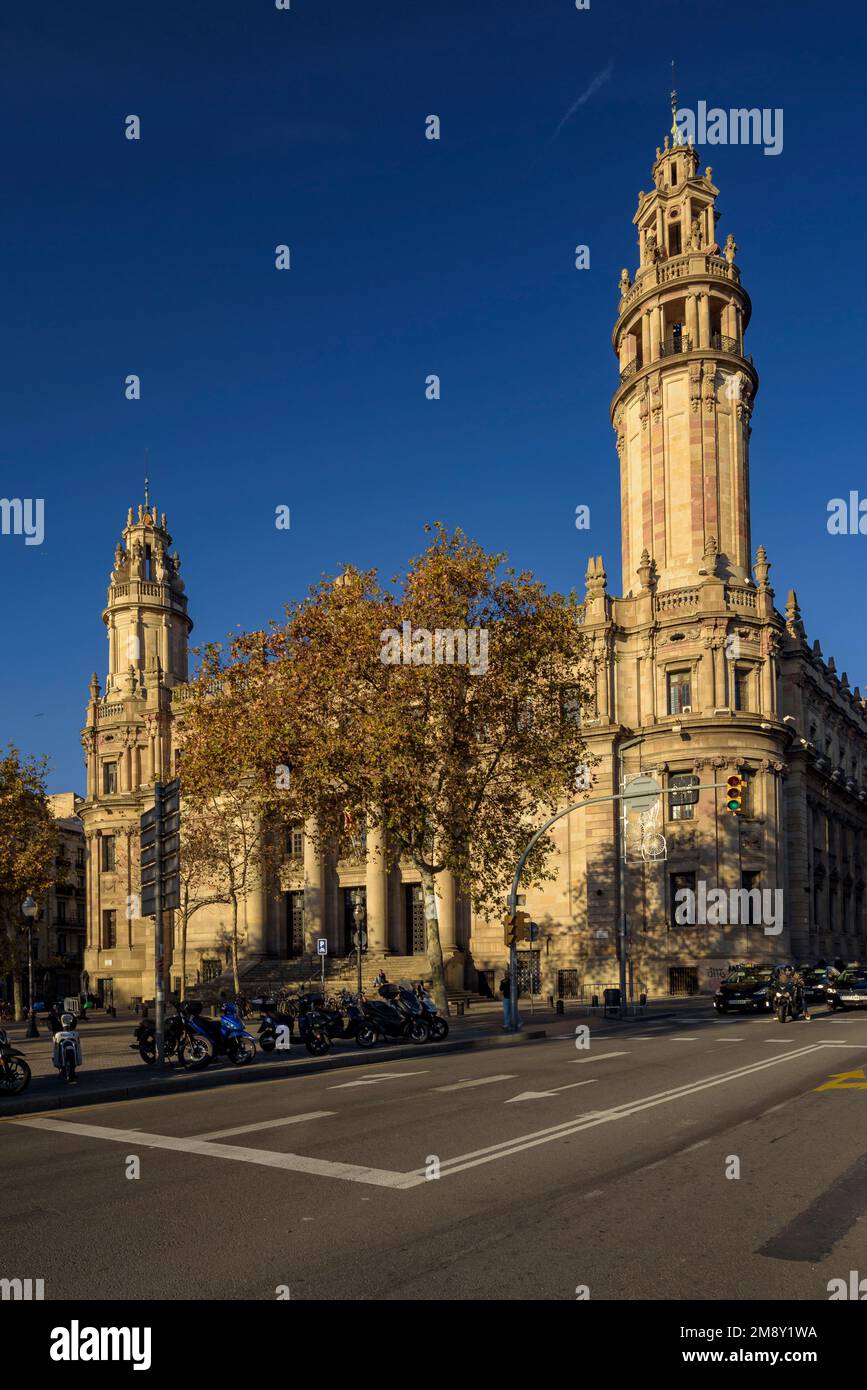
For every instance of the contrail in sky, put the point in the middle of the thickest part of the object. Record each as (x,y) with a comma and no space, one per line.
(598,81)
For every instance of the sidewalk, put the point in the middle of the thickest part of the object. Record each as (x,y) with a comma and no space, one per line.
(112,1071)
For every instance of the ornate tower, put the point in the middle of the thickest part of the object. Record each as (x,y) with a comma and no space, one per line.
(128,741)
(682,409)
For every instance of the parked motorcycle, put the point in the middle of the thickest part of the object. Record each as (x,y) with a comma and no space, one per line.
(66,1049)
(174,1032)
(396,1016)
(208,1038)
(14,1071)
(313,1029)
(269,1028)
(439,1028)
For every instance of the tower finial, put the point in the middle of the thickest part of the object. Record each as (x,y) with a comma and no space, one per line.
(675,137)
(147,483)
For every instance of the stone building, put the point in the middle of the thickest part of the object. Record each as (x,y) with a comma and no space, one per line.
(698,677)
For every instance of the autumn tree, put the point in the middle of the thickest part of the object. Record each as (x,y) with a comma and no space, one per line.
(433,712)
(28,845)
(199,875)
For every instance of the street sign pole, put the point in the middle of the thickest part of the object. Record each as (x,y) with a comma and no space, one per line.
(160,885)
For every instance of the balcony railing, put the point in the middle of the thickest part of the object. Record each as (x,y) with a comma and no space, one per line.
(671,346)
(630,369)
(721,343)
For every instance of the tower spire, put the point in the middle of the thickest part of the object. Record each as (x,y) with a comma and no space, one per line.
(675,137)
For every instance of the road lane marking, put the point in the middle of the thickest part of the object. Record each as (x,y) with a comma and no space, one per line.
(461,1162)
(683,1040)
(603,1057)
(295,1163)
(740,1039)
(539,1095)
(265,1124)
(477,1081)
(372,1080)
(846,1081)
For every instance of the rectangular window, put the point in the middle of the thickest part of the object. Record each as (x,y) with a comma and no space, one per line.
(679,687)
(295,842)
(682,796)
(108,854)
(674,238)
(741,691)
(79,858)
(211,968)
(681,906)
(109,929)
(61,943)
(109,778)
(570,705)
(61,910)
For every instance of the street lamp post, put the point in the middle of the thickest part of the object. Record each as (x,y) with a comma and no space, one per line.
(358,916)
(30,911)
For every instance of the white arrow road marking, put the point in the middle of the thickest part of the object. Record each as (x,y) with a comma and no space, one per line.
(295,1163)
(372,1080)
(538,1095)
(479,1081)
(265,1124)
(603,1057)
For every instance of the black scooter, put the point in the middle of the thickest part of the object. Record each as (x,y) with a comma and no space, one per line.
(273,1020)
(14,1071)
(788,1003)
(396,1017)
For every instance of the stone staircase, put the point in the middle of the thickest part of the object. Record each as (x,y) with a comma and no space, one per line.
(266,977)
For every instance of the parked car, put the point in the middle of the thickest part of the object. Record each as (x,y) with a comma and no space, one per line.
(747,987)
(849,990)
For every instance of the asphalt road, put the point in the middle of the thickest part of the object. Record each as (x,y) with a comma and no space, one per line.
(558,1168)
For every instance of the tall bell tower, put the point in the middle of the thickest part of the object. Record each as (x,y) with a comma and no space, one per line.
(682,408)
(128,742)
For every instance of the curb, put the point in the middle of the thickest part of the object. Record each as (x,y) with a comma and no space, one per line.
(177,1082)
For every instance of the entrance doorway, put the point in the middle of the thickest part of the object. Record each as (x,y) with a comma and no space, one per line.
(416,936)
(295,922)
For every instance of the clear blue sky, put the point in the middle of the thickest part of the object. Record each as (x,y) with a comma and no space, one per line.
(306,388)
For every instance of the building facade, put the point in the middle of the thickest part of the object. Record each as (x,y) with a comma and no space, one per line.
(698,677)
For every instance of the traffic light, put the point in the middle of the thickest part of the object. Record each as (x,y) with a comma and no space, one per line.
(516,928)
(735,787)
(160,846)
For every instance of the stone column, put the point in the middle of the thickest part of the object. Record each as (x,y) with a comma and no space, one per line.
(376,881)
(704,320)
(653,333)
(446,909)
(691,320)
(719,671)
(645,336)
(314,894)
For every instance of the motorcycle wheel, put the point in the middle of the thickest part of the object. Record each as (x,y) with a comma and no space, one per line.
(439,1030)
(148,1052)
(317,1044)
(781,1013)
(14,1077)
(69,1070)
(195,1053)
(366,1035)
(240,1051)
(268,1042)
(419,1031)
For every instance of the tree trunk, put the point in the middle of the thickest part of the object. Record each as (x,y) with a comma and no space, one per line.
(18,991)
(235,970)
(434,945)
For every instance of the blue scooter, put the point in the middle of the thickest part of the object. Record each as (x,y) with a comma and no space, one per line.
(208,1038)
